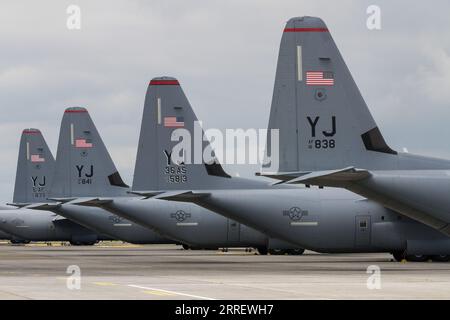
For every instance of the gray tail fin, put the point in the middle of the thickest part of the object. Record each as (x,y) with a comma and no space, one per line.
(323,120)
(83,165)
(35,167)
(167,112)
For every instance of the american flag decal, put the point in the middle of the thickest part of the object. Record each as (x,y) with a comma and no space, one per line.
(37,158)
(319,78)
(83,143)
(174,122)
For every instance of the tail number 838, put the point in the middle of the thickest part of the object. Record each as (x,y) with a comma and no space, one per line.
(321,144)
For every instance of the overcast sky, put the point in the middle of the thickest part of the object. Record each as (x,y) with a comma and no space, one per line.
(224,54)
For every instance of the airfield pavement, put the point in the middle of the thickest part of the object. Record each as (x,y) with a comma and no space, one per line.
(122,271)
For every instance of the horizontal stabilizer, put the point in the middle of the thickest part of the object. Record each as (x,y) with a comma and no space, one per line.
(62,200)
(146,194)
(92,202)
(282,177)
(44,206)
(338,177)
(186,196)
(18,205)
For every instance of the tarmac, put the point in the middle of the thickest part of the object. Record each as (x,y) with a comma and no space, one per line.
(123,271)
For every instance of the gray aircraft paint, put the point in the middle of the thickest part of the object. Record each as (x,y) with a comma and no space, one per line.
(186,223)
(46,226)
(84,168)
(332,223)
(301,116)
(337,131)
(326,220)
(5,236)
(35,168)
(189,224)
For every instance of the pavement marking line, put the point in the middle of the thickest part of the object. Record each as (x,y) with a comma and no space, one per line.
(128,246)
(15,295)
(170,292)
(105,284)
(157,293)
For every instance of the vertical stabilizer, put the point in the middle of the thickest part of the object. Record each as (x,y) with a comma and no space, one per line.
(168,118)
(35,168)
(83,165)
(323,120)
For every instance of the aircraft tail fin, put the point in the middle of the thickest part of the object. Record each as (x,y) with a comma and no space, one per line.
(35,168)
(167,120)
(323,120)
(84,167)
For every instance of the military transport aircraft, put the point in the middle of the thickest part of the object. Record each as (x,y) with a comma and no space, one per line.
(328,220)
(82,162)
(84,168)
(186,223)
(34,174)
(302,98)
(333,140)
(5,236)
